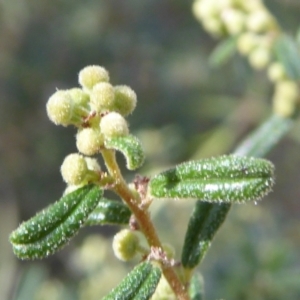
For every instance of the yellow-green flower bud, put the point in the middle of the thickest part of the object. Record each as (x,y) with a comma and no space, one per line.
(79,97)
(89,141)
(260,57)
(247,42)
(282,107)
(214,26)
(234,20)
(259,21)
(205,9)
(169,250)
(287,90)
(102,97)
(276,72)
(74,169)
(60,108)
(125,99)
(91,75)
(252,5)
(125,244)
(113,124)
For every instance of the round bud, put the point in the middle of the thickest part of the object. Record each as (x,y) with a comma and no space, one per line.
(102,97)
(113,124)
(91,75)
(74,169)
(79,96)
(60,108)
(125,99)
(276,72)
(260,57)
(247,42)
(214,26)
(205,9)
(125,244)
(282,107)
(287,90)
(259,20)
(234,20)
(89,141)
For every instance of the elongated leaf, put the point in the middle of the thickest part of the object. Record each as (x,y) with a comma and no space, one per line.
(223,52)
(231,179)
(148,288)
(53,227)
(204,223)
(140,282)
(109,212)
(131,148)
(196,289)
(288,54)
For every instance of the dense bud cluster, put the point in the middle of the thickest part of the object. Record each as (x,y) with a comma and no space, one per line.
(256,32)
(97,110)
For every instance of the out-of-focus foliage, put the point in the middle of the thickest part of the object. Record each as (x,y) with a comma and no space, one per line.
(185,110)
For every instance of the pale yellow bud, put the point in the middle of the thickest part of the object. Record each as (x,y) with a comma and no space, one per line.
(89,141)
(74,169)
(91,75)
(79,96)
(205,9)
(234,20)
(276,72)
(60,108)
(259,21)
(251,5)
(125,244)
(102,97)
(247,42)
(283,108)
(125,99)
(259,58)
(214,26)
(287,90)
(113,124)
(93,164)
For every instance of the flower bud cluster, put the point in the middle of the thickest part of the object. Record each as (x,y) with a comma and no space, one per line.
(98,110)
(256,31)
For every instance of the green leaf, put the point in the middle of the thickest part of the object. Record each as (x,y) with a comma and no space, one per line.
(223,52)
(287,52)
(231,179)
(53,227)
(131,148)
(196,289)
(204,223)
(139,284)
(109,212)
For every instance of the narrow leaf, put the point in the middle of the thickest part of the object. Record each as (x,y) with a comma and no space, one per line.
(231,179)
(131,148)
(53,227)
(288,54)
(204,223)
(141,281)
(109,212)
(148,288)
(196,289)
(223,52)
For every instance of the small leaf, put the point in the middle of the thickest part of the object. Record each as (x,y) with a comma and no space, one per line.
(139,284)
(205,221)
(231,179)
(288,54)
(53,227)
(223,52)
(131,148)
(109,212)
(196,289)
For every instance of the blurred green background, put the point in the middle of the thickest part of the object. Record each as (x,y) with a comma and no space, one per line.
(186,110)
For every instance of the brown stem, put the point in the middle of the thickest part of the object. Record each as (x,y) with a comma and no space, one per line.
(143,218)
